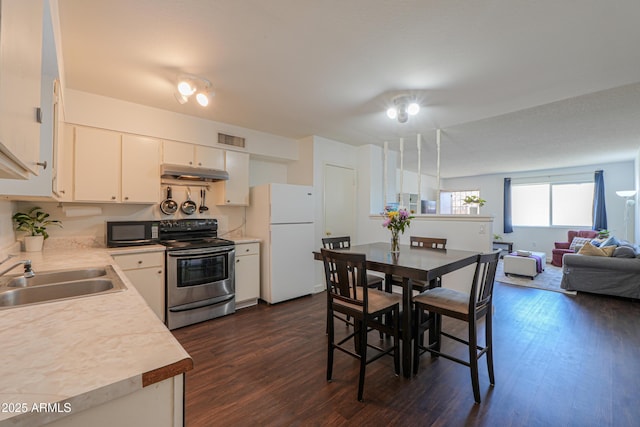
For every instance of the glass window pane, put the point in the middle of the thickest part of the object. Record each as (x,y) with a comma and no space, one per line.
(572,204)
(530,205)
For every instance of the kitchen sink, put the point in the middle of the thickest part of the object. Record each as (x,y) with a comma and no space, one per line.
(50,277)
(58,285)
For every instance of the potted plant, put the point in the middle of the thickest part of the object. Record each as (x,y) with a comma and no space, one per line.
(35,222)
(475,203)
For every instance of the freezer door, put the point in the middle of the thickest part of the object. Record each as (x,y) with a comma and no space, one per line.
(292,267)
(291,203)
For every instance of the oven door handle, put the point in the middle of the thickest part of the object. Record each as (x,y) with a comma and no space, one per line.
(199,253)
(203,303)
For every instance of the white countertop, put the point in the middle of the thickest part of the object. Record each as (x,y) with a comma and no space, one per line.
(245,239)
(84,351)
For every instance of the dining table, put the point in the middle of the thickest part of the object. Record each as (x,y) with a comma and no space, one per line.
(410,263)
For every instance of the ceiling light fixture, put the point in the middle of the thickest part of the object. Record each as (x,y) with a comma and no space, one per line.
(403,107)
(189,84)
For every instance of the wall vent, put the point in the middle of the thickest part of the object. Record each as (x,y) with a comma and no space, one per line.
(236,141)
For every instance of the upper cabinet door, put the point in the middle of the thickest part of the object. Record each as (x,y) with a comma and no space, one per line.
(96,165)
(210,158)
(177,153)
(21,24)
(140,169)
(235,191)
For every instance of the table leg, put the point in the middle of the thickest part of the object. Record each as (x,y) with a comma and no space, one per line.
(406,327)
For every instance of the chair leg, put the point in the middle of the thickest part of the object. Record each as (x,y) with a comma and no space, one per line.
(434,334)
(473,359)
(416,341)
(489,343)
(330,338)
(363,358)
(396,340)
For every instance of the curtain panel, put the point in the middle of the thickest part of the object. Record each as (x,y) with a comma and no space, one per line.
(508,221)
(599,208)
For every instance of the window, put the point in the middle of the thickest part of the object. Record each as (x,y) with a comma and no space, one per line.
(552,204)
(452,202)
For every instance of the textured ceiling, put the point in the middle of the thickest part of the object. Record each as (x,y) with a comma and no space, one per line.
(513,84)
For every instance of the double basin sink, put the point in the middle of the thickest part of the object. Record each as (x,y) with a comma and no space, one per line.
(48,286)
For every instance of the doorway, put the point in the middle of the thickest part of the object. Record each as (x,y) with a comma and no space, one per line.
(339,201)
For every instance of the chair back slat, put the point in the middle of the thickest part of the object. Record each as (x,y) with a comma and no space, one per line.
(428,242)
(483,280)
(336,242)
(346,277)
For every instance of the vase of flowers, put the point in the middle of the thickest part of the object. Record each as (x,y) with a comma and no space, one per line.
(396,221)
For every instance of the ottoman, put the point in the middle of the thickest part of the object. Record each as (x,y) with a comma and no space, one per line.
(523,265)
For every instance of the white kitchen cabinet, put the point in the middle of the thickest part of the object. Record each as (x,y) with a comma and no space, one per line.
(247,273)
(112,167)
(146,271)
(182,153)
(96,165)
(21,23)
(140,169)
(234,191)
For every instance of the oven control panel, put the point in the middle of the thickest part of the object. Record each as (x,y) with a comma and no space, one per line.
(173,225)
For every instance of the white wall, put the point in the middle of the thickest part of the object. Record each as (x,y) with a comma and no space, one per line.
(617,176)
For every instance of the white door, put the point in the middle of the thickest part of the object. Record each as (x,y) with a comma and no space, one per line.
(339,201)
(292,265)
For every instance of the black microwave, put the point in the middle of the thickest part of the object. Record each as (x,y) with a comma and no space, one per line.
(132,233)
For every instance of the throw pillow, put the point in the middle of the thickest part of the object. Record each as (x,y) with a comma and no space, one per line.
(589,249)
(611,241)
(578,241)
(624,252)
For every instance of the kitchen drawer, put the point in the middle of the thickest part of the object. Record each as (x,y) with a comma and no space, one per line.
(140,260)
(247,249)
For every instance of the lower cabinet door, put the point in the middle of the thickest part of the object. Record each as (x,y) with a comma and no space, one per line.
(149,282)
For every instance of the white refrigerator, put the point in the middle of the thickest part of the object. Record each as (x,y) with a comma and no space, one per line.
(281,215)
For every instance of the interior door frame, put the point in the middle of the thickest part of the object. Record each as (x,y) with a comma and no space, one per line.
(324,197)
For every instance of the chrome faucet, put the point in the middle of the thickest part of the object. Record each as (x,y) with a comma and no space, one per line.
(28,272)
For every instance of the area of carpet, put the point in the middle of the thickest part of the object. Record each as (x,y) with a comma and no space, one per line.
(548,280)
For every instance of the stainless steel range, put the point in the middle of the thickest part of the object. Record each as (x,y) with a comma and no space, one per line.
(200,274)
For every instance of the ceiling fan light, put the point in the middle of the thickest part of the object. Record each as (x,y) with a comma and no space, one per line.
(202,98)
(413,109)
(392,113)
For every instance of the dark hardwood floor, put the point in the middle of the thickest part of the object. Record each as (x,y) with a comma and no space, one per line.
(560,360)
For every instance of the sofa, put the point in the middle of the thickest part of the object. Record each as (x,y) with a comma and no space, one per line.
(562,248)
(617,275)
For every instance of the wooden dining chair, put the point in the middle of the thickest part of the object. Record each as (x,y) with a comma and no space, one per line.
(469,308)
(347,293)
(373,281)
(422,243)
(428,242)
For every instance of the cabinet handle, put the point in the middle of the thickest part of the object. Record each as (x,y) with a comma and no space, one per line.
(199,163)
(246,250)
(113,197)
(237,261)
(139,262)
(159,271)
(190,163)
(43,164)
(126,197)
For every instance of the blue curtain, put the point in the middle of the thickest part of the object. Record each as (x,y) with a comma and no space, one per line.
(508,225)
(599,208)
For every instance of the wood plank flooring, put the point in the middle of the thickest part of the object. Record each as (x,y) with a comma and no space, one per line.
(560,360)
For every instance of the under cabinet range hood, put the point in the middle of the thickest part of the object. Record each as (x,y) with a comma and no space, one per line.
(189,173)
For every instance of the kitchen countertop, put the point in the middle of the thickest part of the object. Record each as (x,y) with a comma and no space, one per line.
(84,351)
(245,239)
